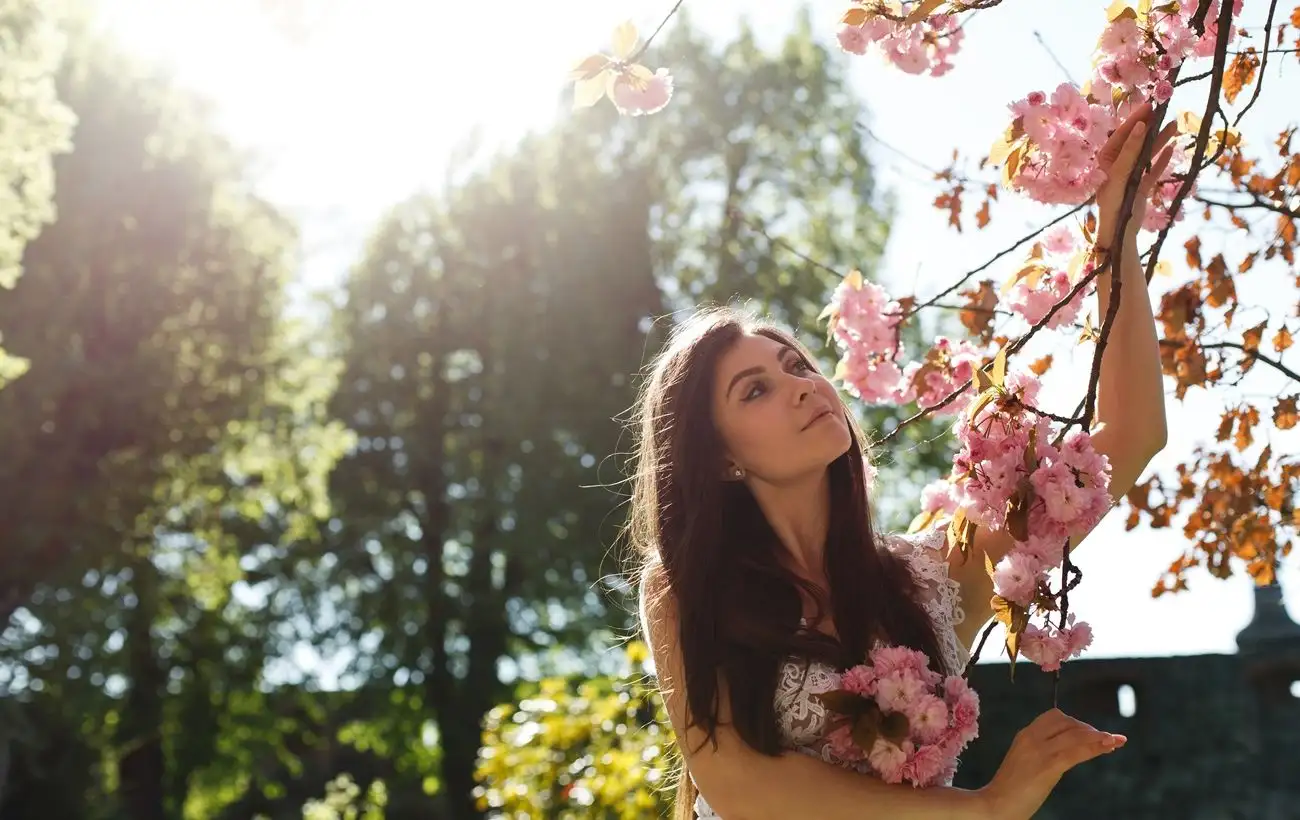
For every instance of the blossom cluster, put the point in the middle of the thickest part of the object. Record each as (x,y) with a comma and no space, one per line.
(1045,281)
(902,719)
(1050,151)
(1008,475)
(864,323)
(924,47)
(633,89)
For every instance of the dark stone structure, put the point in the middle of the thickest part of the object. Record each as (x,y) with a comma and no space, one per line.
(1210,737)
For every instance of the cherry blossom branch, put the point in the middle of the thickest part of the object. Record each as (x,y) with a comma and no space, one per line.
(1207,122)
(1011,350)
(878,8)
(993,259)
(871,135)
(778,242)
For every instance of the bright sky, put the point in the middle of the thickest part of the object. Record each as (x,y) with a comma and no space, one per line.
(367,112)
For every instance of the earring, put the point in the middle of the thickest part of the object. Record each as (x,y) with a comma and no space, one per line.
(737,472)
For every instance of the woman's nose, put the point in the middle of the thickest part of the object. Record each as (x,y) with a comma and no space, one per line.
(803,388)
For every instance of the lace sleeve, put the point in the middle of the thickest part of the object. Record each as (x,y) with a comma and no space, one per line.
(925,554)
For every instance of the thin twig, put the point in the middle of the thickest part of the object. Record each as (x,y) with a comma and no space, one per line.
(1263,64)
(976,271)
(1011,350)
(1257,202)
(637,54)
(1039,37)
(1207,123)
(1276,364)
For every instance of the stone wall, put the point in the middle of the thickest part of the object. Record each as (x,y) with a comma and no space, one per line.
(1211,737)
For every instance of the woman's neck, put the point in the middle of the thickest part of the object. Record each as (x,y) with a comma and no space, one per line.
(799,513)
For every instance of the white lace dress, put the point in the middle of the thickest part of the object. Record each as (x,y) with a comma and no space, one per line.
(802,718)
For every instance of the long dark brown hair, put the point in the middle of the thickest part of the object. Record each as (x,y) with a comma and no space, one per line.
(738,605)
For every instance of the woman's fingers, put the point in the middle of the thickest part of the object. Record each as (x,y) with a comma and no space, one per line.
(1128,155)
(1157,172)
(1119,137)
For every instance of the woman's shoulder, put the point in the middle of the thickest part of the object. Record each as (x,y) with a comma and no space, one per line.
(927,543)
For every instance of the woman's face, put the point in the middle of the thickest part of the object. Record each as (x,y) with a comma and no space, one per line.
(780,419)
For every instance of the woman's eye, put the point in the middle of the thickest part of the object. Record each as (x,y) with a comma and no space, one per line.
(755,390)
(800,364)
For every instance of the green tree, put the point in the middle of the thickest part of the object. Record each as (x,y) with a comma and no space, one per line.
(36,127)
(172,427)
(594,748)
(488,335)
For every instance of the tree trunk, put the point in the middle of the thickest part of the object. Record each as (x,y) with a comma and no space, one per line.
(141,767)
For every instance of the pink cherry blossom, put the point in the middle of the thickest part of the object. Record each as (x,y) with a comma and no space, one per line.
(942,715)
(1033,303)
(888,760)
(1049,646)
(1016,577)
(853,39)
(1060,240)
(841,743)
(925,766)
(928,717)
(937,496)
(890,659)
(926,47)
(635,96)
(860,680)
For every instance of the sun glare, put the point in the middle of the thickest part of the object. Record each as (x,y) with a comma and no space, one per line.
(380,93)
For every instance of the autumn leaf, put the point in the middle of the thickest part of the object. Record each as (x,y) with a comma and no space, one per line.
(1220,287)
(923,520)
(1089,333)
(1285,415)
(894,727)
(1193,248)
(1251,338)
(1031,273)
(961,535)
(857,15)
(977,316)
(625,40)
(1018,507)
(1239,74)
(1014,618)
(1246,421)
(923,10)
(1282,340)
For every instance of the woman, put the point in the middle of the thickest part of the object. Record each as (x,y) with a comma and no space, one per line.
(763,575)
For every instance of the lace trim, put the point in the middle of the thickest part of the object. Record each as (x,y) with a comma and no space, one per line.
(941,595)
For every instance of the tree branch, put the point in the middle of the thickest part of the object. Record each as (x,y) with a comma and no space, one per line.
(1207,121)
(1263,64)
(1276,364)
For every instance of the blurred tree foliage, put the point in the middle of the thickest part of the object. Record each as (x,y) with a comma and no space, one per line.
(207,501)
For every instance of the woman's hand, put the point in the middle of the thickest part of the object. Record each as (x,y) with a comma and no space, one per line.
(1117,158)
(1043,751)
